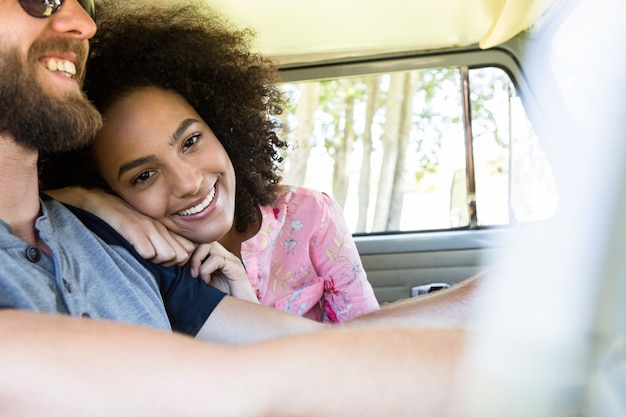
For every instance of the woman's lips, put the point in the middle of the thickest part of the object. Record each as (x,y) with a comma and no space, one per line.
(199,207)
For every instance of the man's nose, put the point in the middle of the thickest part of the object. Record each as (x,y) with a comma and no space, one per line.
(73,20)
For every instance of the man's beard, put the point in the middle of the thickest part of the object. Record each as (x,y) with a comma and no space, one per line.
(37,119)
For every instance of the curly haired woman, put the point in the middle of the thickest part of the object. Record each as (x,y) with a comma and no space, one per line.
(191,140)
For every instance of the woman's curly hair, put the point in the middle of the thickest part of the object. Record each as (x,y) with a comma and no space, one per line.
(188,49)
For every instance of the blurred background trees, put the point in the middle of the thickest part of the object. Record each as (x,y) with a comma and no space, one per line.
(380,144)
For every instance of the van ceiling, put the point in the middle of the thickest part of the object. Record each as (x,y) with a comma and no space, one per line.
(295,31)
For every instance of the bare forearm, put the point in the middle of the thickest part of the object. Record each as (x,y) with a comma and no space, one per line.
(240,322)
(152,240)
(236,321)
(369,372)
(452,306)
(110,369)
(77,196)
(113,369)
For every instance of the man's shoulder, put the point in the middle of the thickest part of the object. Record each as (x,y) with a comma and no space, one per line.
(92,224)
(178,289)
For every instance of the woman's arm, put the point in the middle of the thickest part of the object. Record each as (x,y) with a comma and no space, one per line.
(154,242)
(150,238)
(347,292)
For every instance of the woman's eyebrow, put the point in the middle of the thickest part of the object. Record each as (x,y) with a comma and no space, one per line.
(134,163)
(181,129)
(151,158)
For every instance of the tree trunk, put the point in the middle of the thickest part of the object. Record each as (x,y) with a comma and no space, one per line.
(390,150)
(366,162)
(406,124)
(302,134)
(343,151)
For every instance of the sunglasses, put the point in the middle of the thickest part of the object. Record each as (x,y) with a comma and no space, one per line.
(46,8)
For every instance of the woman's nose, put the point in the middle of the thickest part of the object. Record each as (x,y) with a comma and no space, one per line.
(187,180)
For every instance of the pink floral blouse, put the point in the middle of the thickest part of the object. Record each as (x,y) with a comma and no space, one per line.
(304,261)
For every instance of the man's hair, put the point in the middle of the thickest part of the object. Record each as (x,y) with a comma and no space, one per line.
(190,50)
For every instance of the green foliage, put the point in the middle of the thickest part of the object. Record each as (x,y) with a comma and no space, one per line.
(487,87)
(437,105)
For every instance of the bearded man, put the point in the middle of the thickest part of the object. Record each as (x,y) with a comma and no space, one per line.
(45,250)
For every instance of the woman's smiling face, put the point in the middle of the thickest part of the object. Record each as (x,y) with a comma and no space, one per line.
(158,154)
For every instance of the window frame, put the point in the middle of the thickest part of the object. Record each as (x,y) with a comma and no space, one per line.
(464,58)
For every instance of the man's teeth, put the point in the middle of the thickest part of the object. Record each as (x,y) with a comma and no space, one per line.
(66,68)
(197,209)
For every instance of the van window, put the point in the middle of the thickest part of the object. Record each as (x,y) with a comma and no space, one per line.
(416,150)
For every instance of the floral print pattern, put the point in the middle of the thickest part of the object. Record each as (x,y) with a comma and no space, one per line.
(304,261)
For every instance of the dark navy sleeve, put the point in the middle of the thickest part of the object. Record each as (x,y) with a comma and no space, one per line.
(188,301)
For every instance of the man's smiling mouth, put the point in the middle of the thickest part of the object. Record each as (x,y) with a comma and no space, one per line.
(63,66)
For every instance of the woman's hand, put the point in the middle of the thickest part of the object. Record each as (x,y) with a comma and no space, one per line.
(150,238)
(216,266)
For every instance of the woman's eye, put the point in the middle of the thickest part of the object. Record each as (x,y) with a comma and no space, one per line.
(142,177)
(190,141)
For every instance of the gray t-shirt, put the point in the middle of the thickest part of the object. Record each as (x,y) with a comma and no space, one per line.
(86,278)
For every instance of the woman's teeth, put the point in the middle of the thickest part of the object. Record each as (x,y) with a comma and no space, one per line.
(197,209)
